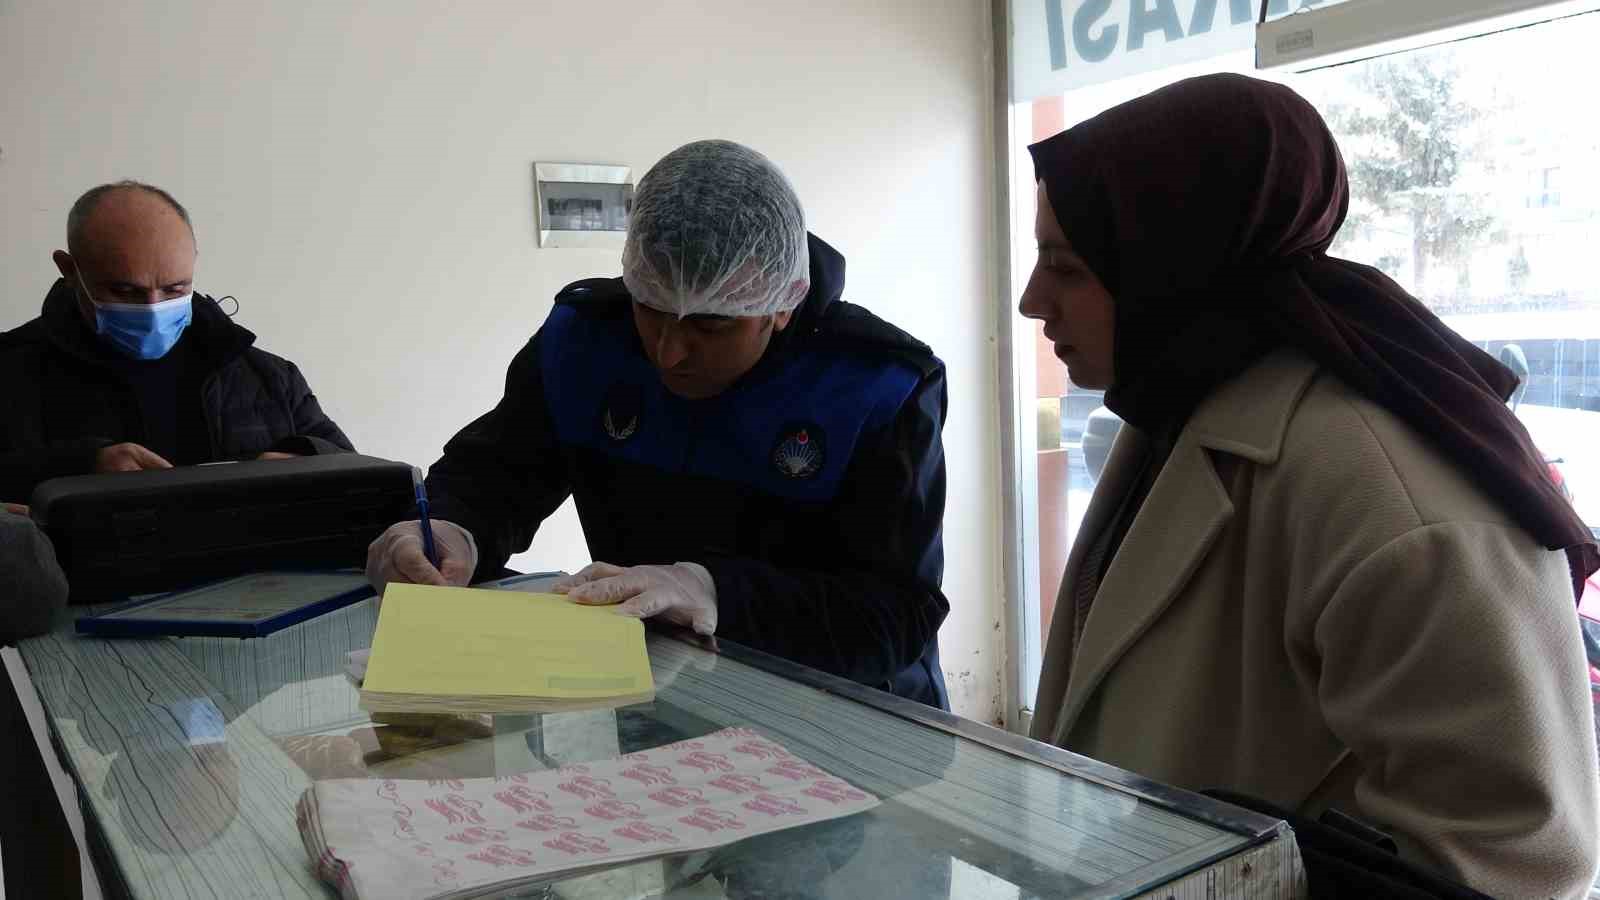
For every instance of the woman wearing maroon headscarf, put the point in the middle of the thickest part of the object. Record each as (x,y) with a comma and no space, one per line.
(1324,566)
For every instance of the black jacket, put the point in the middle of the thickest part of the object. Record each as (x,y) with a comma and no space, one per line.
(65,400)
(812,490)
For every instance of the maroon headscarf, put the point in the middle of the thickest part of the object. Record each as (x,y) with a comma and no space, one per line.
(1207,209)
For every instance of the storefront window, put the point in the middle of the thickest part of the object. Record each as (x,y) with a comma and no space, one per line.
(1473,184)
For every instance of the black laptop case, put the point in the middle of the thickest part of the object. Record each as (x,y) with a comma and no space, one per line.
(130,533)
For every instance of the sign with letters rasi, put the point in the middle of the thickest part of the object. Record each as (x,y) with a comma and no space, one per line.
(1058,45)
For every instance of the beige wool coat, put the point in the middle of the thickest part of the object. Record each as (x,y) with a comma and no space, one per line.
(1313,606)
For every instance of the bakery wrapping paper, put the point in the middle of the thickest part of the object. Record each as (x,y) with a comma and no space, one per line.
(388,838)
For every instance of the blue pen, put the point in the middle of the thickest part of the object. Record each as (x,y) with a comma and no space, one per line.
(428,548)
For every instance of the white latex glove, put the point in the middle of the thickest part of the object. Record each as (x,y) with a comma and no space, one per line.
(397,555)
(682,593)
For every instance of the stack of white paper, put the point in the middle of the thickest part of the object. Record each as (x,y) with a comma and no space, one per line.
(411,840)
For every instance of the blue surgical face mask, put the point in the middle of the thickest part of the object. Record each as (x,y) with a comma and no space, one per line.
(143,330)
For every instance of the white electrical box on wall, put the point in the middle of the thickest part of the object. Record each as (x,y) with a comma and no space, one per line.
(581,204)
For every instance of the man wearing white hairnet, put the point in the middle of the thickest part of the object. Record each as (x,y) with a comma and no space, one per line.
(750,456)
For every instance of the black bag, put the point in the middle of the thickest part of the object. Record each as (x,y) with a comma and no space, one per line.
(1346,858)
(139,532)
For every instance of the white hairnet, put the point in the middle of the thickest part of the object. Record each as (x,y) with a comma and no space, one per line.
(716,229)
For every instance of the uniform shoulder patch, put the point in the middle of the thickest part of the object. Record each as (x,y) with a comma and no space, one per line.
(800,450)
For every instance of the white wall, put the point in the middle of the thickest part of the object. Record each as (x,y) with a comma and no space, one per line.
(360,178)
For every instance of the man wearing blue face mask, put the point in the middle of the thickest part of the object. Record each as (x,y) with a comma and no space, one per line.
(127,368)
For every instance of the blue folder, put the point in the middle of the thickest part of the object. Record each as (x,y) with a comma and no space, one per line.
(245,606)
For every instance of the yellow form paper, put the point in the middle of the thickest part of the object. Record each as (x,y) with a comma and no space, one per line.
(442,642)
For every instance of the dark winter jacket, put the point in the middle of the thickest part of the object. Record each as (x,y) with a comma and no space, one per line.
(812,490)
(66,398)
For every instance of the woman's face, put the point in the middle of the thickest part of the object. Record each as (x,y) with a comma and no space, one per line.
(1076,309)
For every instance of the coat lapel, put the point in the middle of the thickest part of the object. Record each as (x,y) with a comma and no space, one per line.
(1121,467)
(1180,521)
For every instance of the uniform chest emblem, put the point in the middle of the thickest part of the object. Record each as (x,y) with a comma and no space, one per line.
(619,414)
(801,450)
